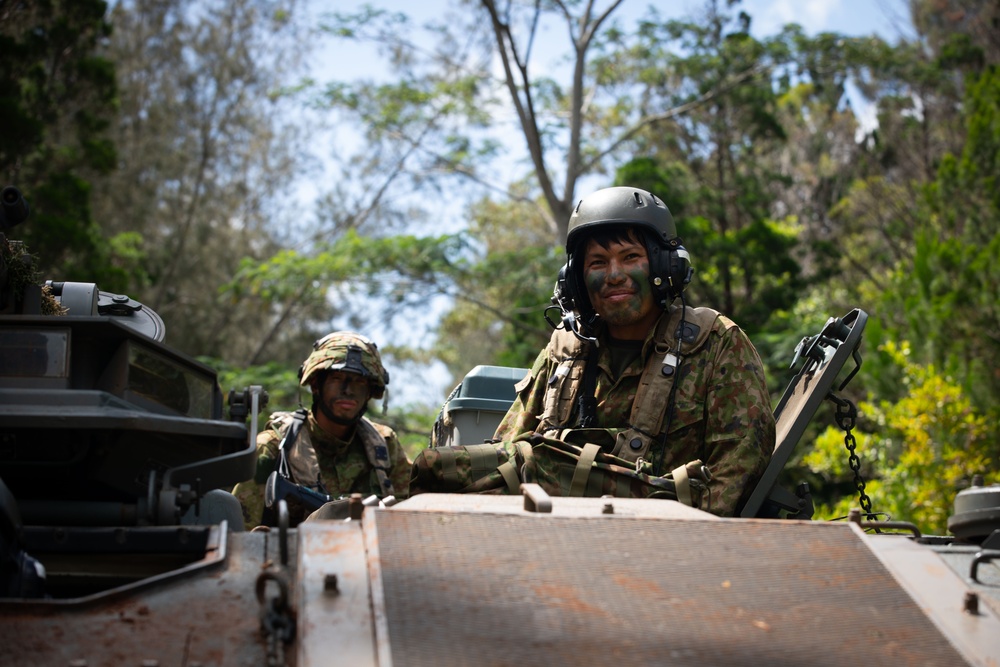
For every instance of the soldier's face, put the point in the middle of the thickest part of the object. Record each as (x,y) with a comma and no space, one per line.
(345,394)
(617,279)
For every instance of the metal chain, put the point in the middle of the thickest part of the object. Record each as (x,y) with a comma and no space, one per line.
(847,414)
(277,624)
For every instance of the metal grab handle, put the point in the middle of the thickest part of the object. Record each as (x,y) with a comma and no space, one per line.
(984,555)
(535,499)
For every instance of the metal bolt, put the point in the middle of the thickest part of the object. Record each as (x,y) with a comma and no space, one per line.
(971,603)
(330,584)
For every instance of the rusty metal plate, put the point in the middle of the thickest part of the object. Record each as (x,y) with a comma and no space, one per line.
(503,589)
(199,617)
(564,506)
(333,595)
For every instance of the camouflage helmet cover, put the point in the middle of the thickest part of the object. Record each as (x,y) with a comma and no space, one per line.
(350,352)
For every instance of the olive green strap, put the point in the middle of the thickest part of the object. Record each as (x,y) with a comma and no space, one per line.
(483,458)
(582,472)
(509,472)
(623,486)
(448,468)
(682,485)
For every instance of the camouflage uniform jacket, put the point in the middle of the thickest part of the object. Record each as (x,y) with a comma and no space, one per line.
(721,410)
(343,464)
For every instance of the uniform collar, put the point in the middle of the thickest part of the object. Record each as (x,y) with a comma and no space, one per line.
(327,442)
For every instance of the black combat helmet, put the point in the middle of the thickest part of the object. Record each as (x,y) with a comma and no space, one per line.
(620,206)
(669,263)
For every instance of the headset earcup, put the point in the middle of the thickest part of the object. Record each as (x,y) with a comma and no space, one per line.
(561,293)
(681,270)
(672,266)
(575,295)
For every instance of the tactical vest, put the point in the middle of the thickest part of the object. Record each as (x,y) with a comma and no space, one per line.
(655,392)
(301,454)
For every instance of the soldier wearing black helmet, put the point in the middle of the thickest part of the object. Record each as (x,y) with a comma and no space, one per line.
(661,383)
(330,450)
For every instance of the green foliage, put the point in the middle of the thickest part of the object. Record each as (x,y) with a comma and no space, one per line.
(421,128)
(926,447)
(944,295)
(960,50)
(57,95)
(758,256)
(923,246)
(359,260)
(713,163)
(498,317)
(526,278)
(671,181)
(280,382)
(412,425)
(509,283)
(769,268)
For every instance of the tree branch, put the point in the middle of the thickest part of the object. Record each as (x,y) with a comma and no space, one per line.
(653,119)
(588,29)
(525,109)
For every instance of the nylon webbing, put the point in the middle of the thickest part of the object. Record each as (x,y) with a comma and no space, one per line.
(682,485)
(623,486)
(583,467)
(649,405)
(448,469)
(377,451)
(288,441)
(586,401)
(509,473)
(484,459)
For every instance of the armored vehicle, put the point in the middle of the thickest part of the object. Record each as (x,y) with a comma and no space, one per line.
(119,544)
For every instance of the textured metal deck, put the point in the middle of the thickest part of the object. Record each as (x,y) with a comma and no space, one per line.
(496,589)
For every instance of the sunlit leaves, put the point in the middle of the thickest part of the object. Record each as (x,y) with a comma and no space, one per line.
(925,448)
(357,260)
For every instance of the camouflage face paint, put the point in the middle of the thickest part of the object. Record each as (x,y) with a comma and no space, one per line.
(346,386)
(617,280)
(344,396)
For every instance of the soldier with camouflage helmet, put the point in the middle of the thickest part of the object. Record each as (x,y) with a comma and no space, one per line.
(664,383)
(336,450)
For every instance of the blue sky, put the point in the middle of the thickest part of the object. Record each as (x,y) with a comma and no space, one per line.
(353,60)
(888,18)
(885,17)
(853,17)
